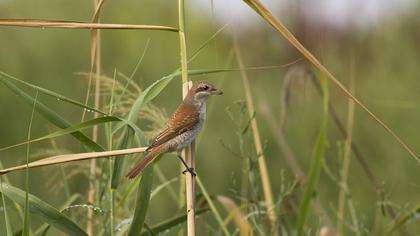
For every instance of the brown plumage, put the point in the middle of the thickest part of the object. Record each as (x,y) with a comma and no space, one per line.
(182,127)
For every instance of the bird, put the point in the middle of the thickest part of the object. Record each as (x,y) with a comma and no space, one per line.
(181,129)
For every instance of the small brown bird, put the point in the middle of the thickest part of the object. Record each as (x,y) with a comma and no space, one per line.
(182,128)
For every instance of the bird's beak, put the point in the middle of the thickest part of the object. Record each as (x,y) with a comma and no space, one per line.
(216,92)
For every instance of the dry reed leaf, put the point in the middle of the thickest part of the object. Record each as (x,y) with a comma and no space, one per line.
(276,24)
(74,157)
(78,25)
(240,220)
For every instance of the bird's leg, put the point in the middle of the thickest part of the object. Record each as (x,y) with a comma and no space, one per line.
(189,169)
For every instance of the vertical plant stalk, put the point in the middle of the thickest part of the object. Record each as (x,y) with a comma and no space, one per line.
(95,60)
(265,180)
(26,231)
(346,157)
(111,164)
(316,163)
(189,152)
(377,187)
(290,158)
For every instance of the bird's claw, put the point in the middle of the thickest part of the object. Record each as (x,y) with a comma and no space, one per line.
(191,170)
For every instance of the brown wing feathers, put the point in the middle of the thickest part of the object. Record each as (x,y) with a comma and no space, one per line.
(182,121)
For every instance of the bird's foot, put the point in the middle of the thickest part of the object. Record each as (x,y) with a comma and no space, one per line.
(191,170)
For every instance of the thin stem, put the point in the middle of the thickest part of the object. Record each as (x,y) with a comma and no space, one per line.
(189,153)
(95,60)
(265,180)
(346,162)
(26,227)
(213,207)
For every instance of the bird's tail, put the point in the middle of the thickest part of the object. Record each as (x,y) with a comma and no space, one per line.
(141,165)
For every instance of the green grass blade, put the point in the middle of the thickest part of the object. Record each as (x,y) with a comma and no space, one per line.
(43,229)
(125,142)
(172,222)
(212,207)
(316,165)
(50,93)
(142,201)
(406,218)
(69,130)
(52,116)
(128,191)
(148,94)
(205,43)
(26,224)
(42,209)
(129,79)
(9,230)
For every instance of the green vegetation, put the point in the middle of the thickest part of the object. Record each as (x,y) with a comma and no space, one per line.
(276,146)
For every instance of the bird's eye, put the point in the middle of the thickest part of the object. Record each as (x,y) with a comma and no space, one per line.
(205,87)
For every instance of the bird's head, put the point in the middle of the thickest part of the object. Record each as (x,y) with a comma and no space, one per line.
(203,90)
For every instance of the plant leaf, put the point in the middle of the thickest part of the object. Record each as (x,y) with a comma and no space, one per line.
(316,165)
(9,231)
(50,93)
(146,96)
(142,201)
(45,211)
(119,164)
(212,207)
(404,219)
(258,7)
(43,229)
(69,130)
(52,116)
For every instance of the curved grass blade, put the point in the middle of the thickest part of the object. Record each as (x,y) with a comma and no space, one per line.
(43,229)
(45,211)
(9,231)
(316,165)
(50,93)
(170,223)
(26,220)
(212,207)
(259,8)
(142,201)
(52,116)
(118,167)
(405,219)
(69,130)
(148,94)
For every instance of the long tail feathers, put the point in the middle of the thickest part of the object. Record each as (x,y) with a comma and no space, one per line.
(141,165)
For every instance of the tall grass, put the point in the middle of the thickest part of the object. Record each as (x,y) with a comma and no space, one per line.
(124,111)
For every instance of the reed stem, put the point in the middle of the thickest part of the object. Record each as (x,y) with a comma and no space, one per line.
(189,152)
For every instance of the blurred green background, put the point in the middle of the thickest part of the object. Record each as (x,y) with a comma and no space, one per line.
(383,56)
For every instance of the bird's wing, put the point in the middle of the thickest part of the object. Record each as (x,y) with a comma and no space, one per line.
(177,125)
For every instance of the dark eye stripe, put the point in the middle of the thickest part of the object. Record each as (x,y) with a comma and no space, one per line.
(202,88)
